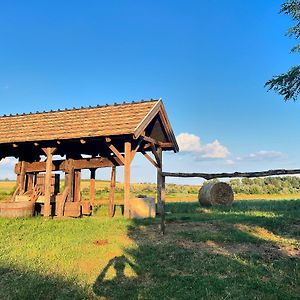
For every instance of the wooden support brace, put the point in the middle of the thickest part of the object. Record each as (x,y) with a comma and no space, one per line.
(152,161)
(134,151)
(115,150)
(156,155)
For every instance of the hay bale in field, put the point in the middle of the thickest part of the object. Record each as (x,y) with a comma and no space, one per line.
(215,193)
(141,208)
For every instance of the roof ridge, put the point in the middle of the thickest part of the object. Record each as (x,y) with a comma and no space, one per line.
(79,108)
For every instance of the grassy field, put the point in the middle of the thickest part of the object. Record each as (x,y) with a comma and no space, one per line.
(250,250)
(174,193)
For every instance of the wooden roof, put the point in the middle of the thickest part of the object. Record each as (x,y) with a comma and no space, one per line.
(101,121)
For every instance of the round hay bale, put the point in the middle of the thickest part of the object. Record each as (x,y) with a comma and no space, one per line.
(215,193)
(16,209)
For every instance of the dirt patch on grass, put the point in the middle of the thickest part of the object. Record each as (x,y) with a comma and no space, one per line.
(273,249)
(101,242)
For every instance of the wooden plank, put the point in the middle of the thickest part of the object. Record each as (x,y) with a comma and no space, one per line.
(72,209)
(112,192)
(235,174)
(65,165)
(152,161)
(127,179)
(161,193)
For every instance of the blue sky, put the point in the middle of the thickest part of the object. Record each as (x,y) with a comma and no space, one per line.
(208,60)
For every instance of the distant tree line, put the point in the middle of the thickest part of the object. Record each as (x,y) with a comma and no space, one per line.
(268,185)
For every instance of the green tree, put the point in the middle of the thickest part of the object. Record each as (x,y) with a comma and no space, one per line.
(288,84)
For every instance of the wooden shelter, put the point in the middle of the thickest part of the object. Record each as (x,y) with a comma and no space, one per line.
(87,138)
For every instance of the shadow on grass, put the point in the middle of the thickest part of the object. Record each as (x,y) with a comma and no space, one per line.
(279,216)
(18,284)
(204,255)
(202,260)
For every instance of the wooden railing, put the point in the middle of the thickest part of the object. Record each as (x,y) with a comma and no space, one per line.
(162,179)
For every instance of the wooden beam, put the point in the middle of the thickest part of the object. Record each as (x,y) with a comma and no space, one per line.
(92,187)
(146,146)
(149,140)
(152,161)
(115,150)
(112,192)
(235,174)
(156,142)
(161,193)
(127,163)
(65,165)
(47,206)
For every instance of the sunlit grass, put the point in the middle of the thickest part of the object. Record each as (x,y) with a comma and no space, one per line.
(249,250)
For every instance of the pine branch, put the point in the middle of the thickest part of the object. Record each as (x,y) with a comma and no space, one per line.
(287,84)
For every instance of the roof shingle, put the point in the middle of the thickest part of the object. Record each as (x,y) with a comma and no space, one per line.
(72,124)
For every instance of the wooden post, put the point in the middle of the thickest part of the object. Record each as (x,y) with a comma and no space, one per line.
(161,191)
(77,181)
(112,191)
(92,187)
(127,163)
(21,179)
(47,206)
(70,180)
(29,182)
(67,180)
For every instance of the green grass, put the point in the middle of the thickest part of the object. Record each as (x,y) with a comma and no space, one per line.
(247,251)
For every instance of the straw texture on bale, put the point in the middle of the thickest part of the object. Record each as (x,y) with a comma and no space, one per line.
(215,193)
